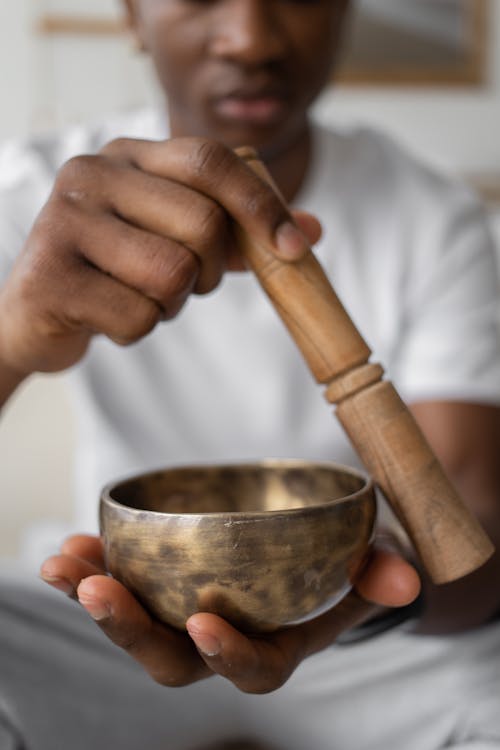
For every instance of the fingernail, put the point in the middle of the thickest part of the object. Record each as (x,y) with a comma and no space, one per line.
(59,583)
(97,609)
(290,241)
(207,644)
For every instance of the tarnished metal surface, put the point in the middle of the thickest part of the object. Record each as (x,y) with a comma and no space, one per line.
(264,545)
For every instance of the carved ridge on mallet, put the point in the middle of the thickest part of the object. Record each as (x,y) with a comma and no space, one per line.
(349,383)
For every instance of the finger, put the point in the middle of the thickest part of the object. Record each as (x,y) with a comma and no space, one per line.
(254,665)
(87,547)
(159,268)
(306,222)
(159,205)
(167,655)
(176,213)
(259,665)
(216,171)
(388,580)
(264,664)
(92,301)
(64,572)
(107,306)
(308,225)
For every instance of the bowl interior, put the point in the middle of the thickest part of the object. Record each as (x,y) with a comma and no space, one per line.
(248,488)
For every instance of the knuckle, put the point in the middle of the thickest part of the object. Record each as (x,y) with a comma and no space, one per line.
(209,158)
(40,264)
(127,641)
(262,204)
(49,252)
(126,635)
(116,148)
(170,276)
(267,685)
(179,276)
(212,223)
(168,679)
(139,324)
(264,681)
(75,177)
(209,281)
(67,545)
(278,680)
(212,234)
(178,672)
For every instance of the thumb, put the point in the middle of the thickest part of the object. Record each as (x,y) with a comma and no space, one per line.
(388,580)
(308,225)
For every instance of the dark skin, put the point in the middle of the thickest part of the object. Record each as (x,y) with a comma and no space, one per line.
(209,53)
(236,72)
(466,438)
(170,207)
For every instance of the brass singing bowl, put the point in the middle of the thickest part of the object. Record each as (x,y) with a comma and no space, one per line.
(264,545)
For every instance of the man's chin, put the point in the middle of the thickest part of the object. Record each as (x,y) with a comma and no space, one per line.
(268,138)
(260,137)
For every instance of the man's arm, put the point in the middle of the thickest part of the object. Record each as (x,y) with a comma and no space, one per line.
(466,439)
(126,236)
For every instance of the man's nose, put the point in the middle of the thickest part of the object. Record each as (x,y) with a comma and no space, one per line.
(249,32)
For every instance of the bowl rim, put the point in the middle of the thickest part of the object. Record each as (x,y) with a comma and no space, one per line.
(368,488)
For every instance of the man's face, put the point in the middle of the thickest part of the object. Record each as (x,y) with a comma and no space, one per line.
(240,71)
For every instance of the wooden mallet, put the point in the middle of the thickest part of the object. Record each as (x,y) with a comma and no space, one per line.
(448,538)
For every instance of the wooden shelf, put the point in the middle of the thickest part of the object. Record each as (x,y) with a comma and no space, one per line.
(395,70)
(60,24)
(487,185)
(471,72)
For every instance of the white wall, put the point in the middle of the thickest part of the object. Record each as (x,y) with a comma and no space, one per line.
(15,80)
(50,81)
(55,80)
(36,448)
(457,128)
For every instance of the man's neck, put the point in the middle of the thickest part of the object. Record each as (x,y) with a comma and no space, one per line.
(288,162)
(289,166)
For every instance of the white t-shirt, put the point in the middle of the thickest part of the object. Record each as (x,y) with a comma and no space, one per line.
(408,252)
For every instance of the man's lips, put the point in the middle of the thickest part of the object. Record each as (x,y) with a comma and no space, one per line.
(258,108)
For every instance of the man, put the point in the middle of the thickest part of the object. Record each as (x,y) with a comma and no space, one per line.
(124,238)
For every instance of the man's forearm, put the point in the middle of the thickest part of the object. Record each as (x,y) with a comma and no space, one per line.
(467,603)
(466,438)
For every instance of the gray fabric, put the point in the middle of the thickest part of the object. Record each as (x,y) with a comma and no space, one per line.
(63,686)
(70,689)
(9,740)
(10,735)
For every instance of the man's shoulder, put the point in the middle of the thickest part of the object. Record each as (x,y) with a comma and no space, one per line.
(365,163)
(29,165)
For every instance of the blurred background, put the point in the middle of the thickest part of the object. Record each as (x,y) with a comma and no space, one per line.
(425,71)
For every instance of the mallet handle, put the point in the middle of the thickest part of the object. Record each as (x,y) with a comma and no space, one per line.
(448,538)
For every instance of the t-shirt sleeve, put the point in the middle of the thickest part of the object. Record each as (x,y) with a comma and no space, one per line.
(450,343)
